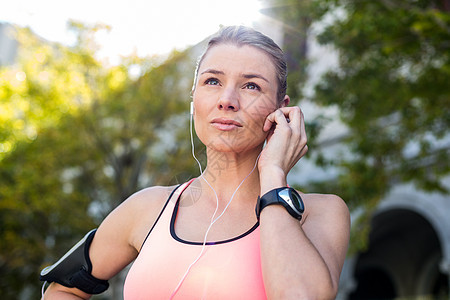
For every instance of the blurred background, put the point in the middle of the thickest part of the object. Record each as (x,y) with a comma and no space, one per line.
(94,100)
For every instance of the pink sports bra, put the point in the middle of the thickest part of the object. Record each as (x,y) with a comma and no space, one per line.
(229,269)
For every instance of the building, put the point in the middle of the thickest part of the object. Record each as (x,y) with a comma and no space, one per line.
(8,45)
(409,250)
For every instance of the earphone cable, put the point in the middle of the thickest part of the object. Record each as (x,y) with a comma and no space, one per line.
(212,218)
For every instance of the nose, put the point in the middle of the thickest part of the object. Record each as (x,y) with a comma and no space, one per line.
(229,100)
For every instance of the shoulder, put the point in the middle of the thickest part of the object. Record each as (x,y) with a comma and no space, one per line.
(135,216)
(123,231)
(148,197)
(325,208)
(143,202)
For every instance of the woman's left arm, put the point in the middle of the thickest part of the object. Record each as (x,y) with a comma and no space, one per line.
(303,260)
(300,260)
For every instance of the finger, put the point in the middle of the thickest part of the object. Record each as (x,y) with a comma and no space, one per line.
(297,123)
(304,151)
(303,129)
(294,115)
(268,122)
(277,117)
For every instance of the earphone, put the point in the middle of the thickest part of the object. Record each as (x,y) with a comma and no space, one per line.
(217,204)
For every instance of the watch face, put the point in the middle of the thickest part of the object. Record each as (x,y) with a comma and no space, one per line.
(297,201)
(294,200)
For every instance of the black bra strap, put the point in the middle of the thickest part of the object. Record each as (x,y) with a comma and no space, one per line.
(159,216)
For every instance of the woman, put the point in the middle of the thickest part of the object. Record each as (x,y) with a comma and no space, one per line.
(205,240)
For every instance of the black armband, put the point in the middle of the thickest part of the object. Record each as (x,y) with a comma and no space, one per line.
(75,267)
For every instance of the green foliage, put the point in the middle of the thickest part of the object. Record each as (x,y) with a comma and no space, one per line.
(296,19)
(392,91)
(78,137)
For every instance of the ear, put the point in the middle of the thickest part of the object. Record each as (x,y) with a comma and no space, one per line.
(285,101)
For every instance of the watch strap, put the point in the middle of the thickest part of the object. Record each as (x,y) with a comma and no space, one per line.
(273,197)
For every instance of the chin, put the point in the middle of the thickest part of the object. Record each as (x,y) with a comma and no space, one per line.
(236,145)
(231,141)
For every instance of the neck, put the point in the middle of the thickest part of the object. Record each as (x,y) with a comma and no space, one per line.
(226,171)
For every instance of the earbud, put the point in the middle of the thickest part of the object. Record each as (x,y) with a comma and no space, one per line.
(192,107)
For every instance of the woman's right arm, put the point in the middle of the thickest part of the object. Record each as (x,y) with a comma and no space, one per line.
(118,239)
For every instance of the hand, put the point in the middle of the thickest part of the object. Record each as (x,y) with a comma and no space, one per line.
(286,142)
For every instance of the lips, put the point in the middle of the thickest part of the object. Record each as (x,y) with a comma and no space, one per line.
(225,124)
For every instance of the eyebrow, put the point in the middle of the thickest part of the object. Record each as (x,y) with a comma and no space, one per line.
(250,76)
(247,76)
(212,71)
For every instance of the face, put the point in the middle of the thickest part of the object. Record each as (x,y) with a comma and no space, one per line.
(235,91)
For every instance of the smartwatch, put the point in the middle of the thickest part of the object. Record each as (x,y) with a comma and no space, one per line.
(286,196)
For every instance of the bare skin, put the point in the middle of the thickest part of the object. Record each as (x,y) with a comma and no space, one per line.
(300,260)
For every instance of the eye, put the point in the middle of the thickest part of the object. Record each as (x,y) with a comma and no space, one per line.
(212,81)
(252,86)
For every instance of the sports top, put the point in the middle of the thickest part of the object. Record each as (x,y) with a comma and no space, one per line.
(228,269)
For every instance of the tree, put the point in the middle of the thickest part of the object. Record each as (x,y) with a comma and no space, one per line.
(391,89)
(77,138)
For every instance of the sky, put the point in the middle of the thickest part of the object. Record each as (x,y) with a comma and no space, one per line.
(143,26)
